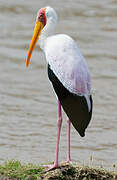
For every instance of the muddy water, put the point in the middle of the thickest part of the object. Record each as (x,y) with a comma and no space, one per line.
(28,112)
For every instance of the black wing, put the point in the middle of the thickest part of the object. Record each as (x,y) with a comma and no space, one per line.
(74,106)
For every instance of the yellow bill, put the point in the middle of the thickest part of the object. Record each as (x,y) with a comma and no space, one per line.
(37,30)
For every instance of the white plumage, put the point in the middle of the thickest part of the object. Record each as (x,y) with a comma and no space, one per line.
(68,64)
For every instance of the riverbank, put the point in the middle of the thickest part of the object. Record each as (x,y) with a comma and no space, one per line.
(14,170)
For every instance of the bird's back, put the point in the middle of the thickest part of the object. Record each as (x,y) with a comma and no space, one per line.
(68,64)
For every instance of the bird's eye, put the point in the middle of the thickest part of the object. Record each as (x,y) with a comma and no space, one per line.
(41,15)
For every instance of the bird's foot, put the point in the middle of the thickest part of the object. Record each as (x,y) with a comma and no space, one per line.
(68,161)
(51,166)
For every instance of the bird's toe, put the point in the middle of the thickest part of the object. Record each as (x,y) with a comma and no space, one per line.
(52,166)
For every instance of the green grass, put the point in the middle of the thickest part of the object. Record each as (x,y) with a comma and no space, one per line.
(14,169)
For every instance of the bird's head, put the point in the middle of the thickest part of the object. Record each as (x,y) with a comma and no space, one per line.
(45,17)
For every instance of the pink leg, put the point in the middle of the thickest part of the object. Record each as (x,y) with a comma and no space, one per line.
(68,140)
(56,164)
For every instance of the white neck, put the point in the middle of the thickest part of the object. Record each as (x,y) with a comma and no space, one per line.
(47,31)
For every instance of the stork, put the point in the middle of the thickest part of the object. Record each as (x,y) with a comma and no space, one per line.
(68,73)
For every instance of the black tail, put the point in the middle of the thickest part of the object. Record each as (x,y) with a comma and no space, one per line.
(76,109)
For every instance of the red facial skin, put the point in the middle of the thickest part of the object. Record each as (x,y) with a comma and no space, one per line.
(41,16)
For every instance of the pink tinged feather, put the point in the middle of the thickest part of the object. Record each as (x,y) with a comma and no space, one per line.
(68,64)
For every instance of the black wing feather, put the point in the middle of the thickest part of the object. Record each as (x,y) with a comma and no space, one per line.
(74,106)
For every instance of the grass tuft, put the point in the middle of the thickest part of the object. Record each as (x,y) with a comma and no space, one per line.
(14,169)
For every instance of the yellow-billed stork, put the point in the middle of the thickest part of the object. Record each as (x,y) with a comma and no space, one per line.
(68,73)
